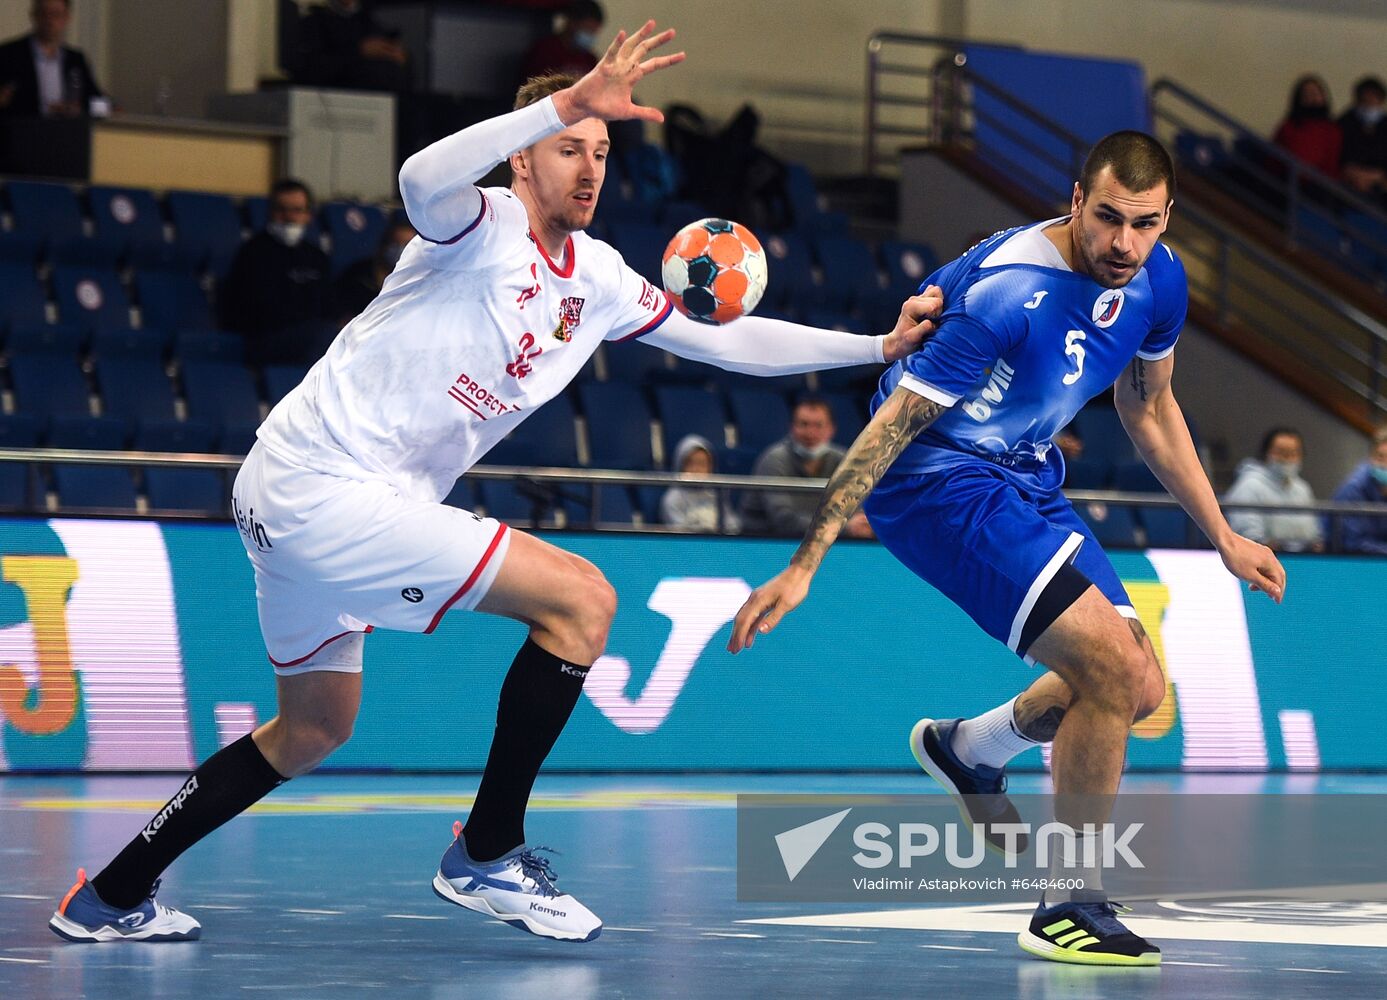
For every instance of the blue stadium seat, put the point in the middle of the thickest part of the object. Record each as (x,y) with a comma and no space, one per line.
(835,318)
(136,389)
(547,437)
(128,224)
(652,173)
(1200,153)
(675,215)
(100,487)
(850,272)
(355,231)
(461,496)
(634,362)
(47,385)
(47,214)
(1087,474)
(256,208)
(208,345)
(859,379)
(618,423)
(129,343)
(762,418)
(220,393)
(687,410)
(173,300)
(207,229)
(61,340)
(169,488)
(791,284)
(521,503)
(237,439)
(849,415)
(642,244)
(1105,440)
(91,297)
(22,300)
(907,265)
(17,478)
(803,196)
(1165,527)
(1112,524)
(280,380)
(591,506)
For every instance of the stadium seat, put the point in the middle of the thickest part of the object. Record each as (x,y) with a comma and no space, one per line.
(237,439)
(171,488)
(355,231)
(280,380)
(687,410)
(591,506)
(834,318)
(135,388)
(850,272)
(129,343)
(634,363)
(761,417)
(849,415)
(128,224)
(521,503)
(803,196)
(173,300)
(47,385)
(618,424)
(1105,440)
(220,393)
(17,478)
(207,229)
(50,216)
(652,173)
(858,379)
(208,345)
(92,487)
(547,437)
(907,265)
(642,244)
(1087,474)
(256,210)
(791,286)
(675,215)
(1165,527)
(1112,524)
(461,496)
(91,296)
(22,299)
(56,339)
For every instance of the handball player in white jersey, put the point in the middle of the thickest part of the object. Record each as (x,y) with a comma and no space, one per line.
(490,313)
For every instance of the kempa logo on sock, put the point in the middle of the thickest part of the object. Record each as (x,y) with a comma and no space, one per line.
(174,803)
(572,671)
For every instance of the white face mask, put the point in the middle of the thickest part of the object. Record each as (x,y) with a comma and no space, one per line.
(811,453)
(1284,470)
(1371,115)
(585,39)
(288,233)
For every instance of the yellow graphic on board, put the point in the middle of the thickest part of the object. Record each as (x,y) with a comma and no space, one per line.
(45,581)
(1150,598)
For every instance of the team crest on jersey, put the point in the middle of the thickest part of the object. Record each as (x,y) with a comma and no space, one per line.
(570,312)
(1108,307)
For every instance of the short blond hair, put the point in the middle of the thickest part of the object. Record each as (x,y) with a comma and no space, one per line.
(537,88)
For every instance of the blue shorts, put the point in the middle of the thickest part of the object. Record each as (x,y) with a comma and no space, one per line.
(982,539)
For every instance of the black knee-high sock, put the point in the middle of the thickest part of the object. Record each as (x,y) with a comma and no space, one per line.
(228,782)
(536,700)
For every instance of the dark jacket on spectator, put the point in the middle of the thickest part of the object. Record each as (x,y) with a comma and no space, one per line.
(1361,534)
(1363,145)
(277,297)
(785,514)
(327,52)
(17,68)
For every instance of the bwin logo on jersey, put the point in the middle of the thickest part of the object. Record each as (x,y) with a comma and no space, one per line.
(1108,307)
(998,382)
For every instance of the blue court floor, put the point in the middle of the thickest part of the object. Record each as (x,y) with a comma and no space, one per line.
(323,891)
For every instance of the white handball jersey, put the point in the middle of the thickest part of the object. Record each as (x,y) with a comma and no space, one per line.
(465,340)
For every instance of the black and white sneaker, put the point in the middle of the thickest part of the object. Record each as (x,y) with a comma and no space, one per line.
(979,792)
(1086,931)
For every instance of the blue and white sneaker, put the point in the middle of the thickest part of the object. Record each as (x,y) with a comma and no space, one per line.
(518,888)
(979,792)
(83,917)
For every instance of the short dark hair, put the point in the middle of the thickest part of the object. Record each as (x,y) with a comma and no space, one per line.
(817,402)
(1369,84)
(537,88)
(34,7)
(1138,161)
(1277,432)
(585,10)
(1379,437)
(291,185)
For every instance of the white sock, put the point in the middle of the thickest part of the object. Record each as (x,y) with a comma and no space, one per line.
(990,739)
(1076,870)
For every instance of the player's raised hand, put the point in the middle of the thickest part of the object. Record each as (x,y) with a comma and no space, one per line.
(606,90)
(1257,565)
(767,604)
(915,324)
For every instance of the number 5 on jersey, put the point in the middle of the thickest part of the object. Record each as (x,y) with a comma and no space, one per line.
(1075,350)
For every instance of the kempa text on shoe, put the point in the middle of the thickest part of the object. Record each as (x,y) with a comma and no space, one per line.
(174,803)
(549,910)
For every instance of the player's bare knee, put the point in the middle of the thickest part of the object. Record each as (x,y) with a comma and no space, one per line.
(310,743)
(1153,690)
(599,608)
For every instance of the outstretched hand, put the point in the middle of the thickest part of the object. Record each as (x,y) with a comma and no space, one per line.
(605,92)
(1257,565)
(767,604)
(915,324)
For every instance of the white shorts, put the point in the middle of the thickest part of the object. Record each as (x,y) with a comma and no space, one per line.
(337,556)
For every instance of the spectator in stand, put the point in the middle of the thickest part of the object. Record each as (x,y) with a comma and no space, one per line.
(40,77)
(1308,133)
(1367,484)
(1363,161)
(341,44)
(570,49)
(278,293)
(696,508)
(361,282)
(1275,479)
(807,453)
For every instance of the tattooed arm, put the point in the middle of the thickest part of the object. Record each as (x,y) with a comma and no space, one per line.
(1156,425)
(903,415)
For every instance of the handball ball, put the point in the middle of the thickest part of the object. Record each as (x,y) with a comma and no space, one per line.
(714,270)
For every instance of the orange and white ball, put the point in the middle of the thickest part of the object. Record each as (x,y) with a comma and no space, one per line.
(714,270)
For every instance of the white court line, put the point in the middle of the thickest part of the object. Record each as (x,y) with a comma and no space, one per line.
(836,941)
(25,961)
(1327,972)
(632,930)
(324,913)
(729,934)
(218,906)
(954,947)
(413,916)
(1201,965)
(19,895)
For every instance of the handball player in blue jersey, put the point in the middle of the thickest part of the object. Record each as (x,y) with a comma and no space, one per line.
(958,476)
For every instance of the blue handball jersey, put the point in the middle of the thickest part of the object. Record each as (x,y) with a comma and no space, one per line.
(1022,344)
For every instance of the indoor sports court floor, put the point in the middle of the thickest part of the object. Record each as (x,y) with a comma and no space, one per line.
(323,891)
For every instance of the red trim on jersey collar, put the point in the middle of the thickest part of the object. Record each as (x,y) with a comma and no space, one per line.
(562,272)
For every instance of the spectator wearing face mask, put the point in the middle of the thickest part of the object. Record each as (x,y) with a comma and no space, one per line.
(695,508)
(1307,132)
(570,49)
(1275,479)
(1367,484)
(278,291)
(361,282)
(807,453)
(1364,157)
